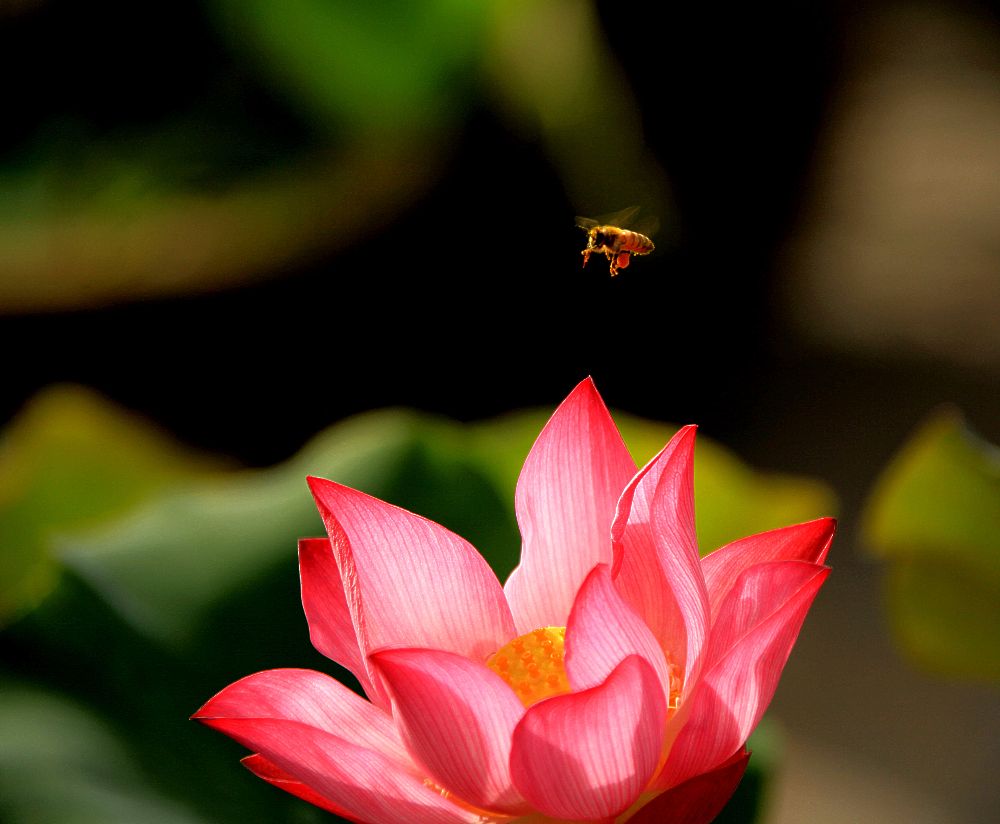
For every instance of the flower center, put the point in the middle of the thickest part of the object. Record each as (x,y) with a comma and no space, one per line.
(532,664)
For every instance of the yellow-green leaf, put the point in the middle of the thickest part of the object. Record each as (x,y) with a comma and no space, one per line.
(61,762)
(732,500)
(70,461)
(934,516)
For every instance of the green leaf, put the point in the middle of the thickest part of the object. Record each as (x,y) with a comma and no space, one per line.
(168,566)
(934,516)
(174,561)
(59,762)
(116,243)
(389,66)
(732,500)
(749,802)
(68,462)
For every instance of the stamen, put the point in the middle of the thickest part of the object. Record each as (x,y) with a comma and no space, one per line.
(676,683)
(532,664)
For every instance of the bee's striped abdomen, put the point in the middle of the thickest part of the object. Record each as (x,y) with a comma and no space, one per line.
(636,243)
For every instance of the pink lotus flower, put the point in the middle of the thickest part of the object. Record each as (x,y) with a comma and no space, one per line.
(616,676)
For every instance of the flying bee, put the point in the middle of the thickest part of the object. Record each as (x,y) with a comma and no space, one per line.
(617,244)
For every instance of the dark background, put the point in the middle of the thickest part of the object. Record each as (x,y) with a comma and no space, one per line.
(472,302)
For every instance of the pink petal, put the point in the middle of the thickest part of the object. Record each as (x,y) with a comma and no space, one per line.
(331,628)
(804,542)
(311,698)
(410,582)
(603,631)
(565,502)
(457,718)
(363,783)
(263,768)
(736,689)
(758,593)
(698,800)
(659,569)
(588,755)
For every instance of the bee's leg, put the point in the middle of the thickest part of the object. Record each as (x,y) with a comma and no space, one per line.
(586,256)
(611,260)
(619,262)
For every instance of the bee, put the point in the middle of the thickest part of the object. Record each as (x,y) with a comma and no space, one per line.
(617,244)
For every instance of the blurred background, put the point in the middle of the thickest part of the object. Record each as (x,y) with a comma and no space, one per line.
(231,230)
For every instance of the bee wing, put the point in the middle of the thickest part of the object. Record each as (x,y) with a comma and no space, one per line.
(624,219)
(646,225)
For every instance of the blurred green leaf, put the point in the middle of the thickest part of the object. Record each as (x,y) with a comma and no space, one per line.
(168,565)
(573,99)
(77,644)
(934,516)
(749,802)
(396,66)
(60,763)
(127,239)
(231,184)
(69,461)
(732,500)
